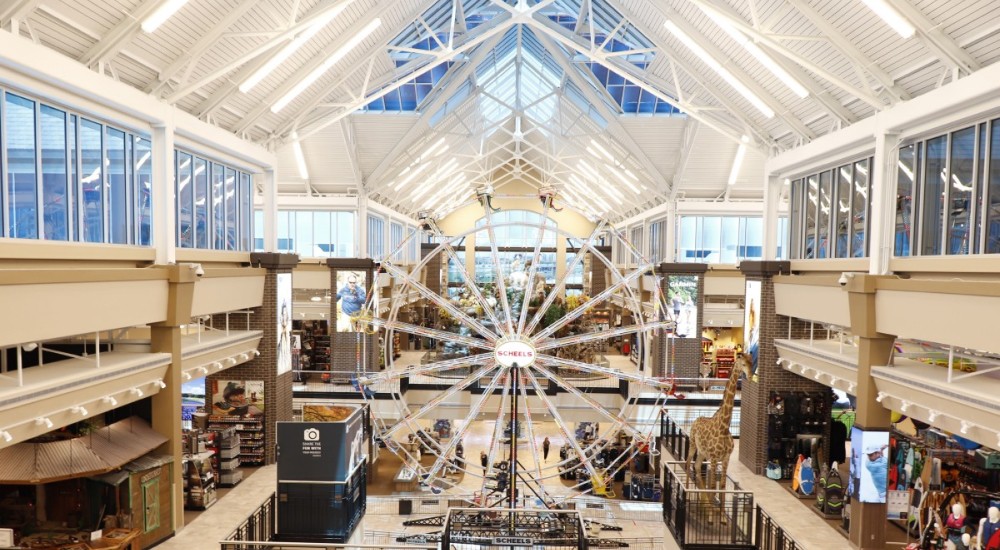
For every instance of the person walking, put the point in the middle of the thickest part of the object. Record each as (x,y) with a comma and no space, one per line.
(545,448)
(483,459)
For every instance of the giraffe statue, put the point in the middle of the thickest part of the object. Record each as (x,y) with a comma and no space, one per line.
(710,439)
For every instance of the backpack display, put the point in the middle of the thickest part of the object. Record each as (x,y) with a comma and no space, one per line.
(834,501)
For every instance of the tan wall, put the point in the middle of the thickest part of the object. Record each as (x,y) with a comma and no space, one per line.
(465,218)
(724,283)
(34,312)
(243,288)
(823,300)
(961,320)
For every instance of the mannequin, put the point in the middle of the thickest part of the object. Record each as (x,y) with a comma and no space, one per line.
(989,530)
(955,527)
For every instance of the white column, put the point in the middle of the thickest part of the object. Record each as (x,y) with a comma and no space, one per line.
(162,194)
(883,210)
(670,234)
(270,209)
(362,229)
(772,198)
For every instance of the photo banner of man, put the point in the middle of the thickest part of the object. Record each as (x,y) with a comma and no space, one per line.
(238,397)
(869,465)
(284,324)
(350,300)
(751,322)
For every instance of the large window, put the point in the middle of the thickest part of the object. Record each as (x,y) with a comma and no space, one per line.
(829,213)
(376,237)
(657,236)
(395,240)
(310,234)
(214,204)
(517,234)
(69,178)
(948,193)
(720,239)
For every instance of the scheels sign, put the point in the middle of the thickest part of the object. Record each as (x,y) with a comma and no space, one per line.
(514,351)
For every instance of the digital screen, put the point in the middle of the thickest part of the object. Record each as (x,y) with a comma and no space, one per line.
(751,322)
(682,301)
(869,465)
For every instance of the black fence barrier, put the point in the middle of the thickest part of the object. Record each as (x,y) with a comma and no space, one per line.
(259,526)
(673,437)
(770,535)
(702,519)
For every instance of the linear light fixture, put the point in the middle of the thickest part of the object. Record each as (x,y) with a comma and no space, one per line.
(760,55)
(161,14)
(300,157)
(741,152)
(326,65)
(6,436)
(604,152)
(292,47)
(891,17)
(719,69)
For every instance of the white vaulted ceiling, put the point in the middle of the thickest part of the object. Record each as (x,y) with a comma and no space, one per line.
(553,93)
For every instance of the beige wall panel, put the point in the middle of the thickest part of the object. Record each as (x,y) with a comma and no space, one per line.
(310,278)
(47,311)
(722,317)
(465,218)
(824,304)
(726,285)
(221,294)
(960,320)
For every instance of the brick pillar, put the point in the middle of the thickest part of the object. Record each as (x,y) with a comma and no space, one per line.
(682,357)
(351,352)
(277,387)
(769,377)
(868,526)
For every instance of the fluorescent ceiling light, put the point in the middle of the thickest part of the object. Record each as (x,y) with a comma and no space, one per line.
(161,14)
(602,150)
(741,151)
(891,17)
(720,70)
(760,55)
(413,173)
(326,65)
(292,47)
(628,183)
(300,157)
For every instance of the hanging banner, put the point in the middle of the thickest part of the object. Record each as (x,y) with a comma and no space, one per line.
(284,324)
(751,322)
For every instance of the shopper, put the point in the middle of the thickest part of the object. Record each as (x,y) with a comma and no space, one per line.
(545,448)
(484,459)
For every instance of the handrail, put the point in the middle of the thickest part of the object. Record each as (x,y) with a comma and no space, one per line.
(283,544)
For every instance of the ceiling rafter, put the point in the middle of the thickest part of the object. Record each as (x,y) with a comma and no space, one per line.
(936,40)
(205,42)
(111,43)
(780,110)
(15,10)
(859,60)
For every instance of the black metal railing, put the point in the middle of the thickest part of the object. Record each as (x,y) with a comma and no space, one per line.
(703,519)
(259,526)
(770,535)
(673,438)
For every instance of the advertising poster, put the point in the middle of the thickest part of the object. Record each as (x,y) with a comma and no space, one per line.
(682,295)
(350,300)
(284,324)
(237,397)
(751,322)
(869,465)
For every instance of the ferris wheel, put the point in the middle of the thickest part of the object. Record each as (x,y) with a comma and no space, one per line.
(530,345)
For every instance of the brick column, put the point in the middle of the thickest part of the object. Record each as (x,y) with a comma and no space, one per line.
(166,404)
(277,387)
(868,525)
(769,377)
(352,351)
(684,354)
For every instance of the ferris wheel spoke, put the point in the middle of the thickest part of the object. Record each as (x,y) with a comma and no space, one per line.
(529,286)
(467,280)
(437,366)
(560,381)
(554,293)
(452,310)
(501,283)
(426,331)
(567,434)
(599,335)
(588,305)
(437,400)
(549,360)
(498,425)
(531,441)
(469,418)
